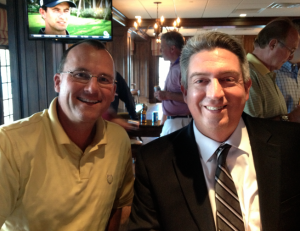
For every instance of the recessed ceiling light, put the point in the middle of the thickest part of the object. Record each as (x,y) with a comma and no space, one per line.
(137,16)
(243,15)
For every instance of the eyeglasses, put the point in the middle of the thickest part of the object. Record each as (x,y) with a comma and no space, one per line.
(292,51)
(84,77)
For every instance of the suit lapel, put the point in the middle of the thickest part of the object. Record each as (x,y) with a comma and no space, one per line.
(267,166)
(191,178)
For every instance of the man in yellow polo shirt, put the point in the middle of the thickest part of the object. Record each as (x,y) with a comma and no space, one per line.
(274,45)
(66,168)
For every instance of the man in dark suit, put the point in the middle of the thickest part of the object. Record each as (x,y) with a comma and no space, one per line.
(175,174)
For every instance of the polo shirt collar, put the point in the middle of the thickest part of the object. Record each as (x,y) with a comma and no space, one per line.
(60,134)
(176,61)
(259,66)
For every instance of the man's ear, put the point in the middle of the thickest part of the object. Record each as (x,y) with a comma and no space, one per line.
(42,12)
(57,82)
(184,93)
(247,88)
(273,43)
(114,92)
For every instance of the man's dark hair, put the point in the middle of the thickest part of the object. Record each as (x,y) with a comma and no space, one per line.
(210,41)
(94,43)
(278,28)
(296,23)
(44,8)
(173,38)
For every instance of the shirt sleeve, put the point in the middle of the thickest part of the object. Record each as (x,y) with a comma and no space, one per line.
(9,180)
(254,105)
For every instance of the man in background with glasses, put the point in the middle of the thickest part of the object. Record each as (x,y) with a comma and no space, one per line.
(288,77)
(66,168)
(274,45)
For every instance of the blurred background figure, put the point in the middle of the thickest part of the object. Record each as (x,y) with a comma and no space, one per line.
(123,93)
(288,77)
(176,113)
(274,45)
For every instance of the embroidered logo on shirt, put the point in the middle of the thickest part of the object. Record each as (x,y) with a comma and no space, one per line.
(109,178)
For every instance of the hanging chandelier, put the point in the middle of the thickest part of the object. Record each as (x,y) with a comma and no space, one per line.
(158,26)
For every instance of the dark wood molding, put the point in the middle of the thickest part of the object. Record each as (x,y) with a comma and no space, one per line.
(2,6)
(203,22)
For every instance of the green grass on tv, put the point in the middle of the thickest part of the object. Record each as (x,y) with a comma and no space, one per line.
(77,26)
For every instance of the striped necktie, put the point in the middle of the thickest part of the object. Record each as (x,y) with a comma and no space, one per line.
(229,214)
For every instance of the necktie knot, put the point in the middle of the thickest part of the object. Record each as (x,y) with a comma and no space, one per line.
(222,153)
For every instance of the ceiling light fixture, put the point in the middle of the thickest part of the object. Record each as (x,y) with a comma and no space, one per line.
(243,15)
(158,26)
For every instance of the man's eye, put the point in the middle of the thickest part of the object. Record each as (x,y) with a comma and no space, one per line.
(104,80)
(199,81)
(229,79)
(81,75)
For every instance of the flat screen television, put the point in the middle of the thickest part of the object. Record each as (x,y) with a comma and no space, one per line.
(90,19)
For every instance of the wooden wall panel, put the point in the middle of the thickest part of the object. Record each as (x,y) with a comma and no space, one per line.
(33,64)
(120,51)
(141,65)
(248,43)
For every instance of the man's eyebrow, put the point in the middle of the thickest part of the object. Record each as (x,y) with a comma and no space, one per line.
(230,72)
(199,74)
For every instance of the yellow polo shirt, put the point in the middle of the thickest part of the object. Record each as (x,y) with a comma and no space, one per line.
(48,183)
(265,99)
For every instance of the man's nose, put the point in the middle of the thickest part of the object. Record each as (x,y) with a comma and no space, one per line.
(214,89)
(92,86)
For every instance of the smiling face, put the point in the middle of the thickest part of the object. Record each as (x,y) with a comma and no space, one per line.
(56,18)
(216,93)
(84,103)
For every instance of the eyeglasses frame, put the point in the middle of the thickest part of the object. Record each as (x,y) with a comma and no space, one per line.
(91,75)
(292,51)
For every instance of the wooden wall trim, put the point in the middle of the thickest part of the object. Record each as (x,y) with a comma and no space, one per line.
(33,64)
(2,6)
(203,22)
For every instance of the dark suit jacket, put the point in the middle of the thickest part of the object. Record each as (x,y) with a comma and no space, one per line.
(170,188)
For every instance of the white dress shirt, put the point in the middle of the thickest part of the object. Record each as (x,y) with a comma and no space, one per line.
(241,166)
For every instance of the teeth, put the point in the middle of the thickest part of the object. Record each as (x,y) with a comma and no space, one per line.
(88,100)
(214,108)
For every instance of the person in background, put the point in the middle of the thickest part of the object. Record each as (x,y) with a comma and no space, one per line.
(288,77)
(123,93)
(175,111)
(56,14)
(187,181)
(66,168)
(274,45)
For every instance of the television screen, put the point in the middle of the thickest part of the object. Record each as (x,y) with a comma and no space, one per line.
(70,19)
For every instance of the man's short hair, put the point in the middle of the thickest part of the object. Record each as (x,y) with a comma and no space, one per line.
(296,23)
(209,41)
(278,28)
(94,43)
(173,38)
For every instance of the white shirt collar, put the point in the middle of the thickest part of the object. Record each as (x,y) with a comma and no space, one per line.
(207,146)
